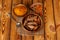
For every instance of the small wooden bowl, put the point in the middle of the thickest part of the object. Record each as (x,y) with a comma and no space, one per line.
(20,10)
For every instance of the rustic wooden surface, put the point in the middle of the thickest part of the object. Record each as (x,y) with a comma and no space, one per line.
(50,33)
(51,12)
(5,20)
(0,19)
(57,17)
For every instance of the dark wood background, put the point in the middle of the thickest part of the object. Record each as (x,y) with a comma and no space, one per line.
(51,20)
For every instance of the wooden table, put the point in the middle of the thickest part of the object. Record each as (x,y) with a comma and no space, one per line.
(51,19)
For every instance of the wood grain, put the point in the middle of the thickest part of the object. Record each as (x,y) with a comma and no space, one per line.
(14,35)
(0,19)
(8,29)
(50,33)
(59,6)
(5,20)
(57,17)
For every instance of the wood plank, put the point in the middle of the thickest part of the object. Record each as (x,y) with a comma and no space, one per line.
(50,33)
(0,19)
(27,3)
(57,17)
(35,1)
(59,6)
(5,19)
(41,36)
(27,37)
(14,35)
